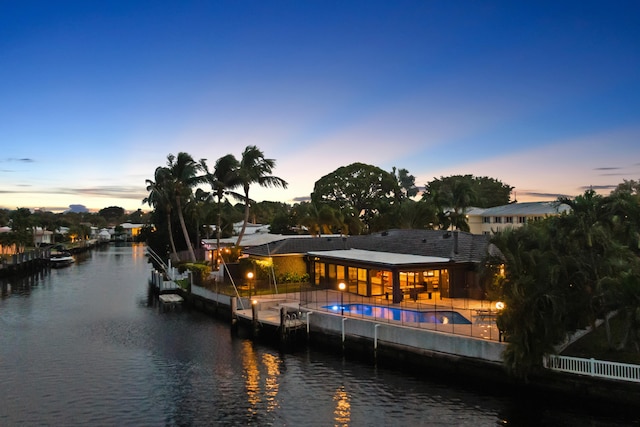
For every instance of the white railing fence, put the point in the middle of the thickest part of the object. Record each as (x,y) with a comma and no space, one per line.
(593,367)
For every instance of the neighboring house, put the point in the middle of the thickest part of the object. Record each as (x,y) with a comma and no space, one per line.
(131,231)
(256,238)
(251,228)
(42,237)
(104,235)
(499,218)
(394,264)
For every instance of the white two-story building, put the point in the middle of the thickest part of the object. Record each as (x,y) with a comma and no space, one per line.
(496,219)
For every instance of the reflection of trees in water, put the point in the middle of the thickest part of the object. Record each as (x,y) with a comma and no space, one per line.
(21,284)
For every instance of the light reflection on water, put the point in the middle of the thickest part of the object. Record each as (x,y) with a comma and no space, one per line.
(85,345)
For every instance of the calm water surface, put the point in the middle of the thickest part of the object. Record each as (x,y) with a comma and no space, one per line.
(85,345)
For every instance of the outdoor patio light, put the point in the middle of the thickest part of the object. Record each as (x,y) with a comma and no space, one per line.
(499,305)
(342,287)
(249,277)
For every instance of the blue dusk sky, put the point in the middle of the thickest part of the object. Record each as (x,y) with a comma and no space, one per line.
(541,95)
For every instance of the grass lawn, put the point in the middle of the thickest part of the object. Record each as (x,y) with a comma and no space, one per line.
(595,345)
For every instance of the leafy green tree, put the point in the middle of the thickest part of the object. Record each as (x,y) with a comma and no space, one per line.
(4,217)
(255,169)
(112,214)
(364,191)
(451,196)
(21,223)
(318,220)
(282,223)
(622,210)
(490,192)
(415,215)
(562,274)
(47,221)
(264,212)
(533,318)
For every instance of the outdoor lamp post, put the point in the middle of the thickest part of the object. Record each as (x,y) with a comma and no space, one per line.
(249,278)
(342,287)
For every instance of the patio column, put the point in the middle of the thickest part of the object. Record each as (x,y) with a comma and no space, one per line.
(397,292)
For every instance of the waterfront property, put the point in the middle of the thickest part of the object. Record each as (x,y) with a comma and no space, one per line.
(394,264)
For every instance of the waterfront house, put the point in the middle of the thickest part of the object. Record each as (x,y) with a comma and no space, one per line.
(42,237)
(514,215)
(131,231)
(394,264)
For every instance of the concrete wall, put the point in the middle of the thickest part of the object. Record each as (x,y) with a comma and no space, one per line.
(420,339)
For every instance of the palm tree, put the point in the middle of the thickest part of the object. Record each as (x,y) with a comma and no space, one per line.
(534,317)
(318,220)
(161,199)
(183,172)
(223,178)
(255,169)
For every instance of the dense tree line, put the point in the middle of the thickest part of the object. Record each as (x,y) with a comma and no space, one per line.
(359,198)
(24,223)
(565,272)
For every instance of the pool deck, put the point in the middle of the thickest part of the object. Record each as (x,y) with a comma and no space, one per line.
(481,314)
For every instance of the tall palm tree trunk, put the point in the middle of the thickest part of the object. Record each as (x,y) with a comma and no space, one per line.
(192,255)
(174,253)
(246,216)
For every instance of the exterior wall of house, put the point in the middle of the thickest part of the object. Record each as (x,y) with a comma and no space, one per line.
(487,224)
(455,281)
(499,218)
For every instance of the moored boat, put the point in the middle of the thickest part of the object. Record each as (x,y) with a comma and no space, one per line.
(60,259)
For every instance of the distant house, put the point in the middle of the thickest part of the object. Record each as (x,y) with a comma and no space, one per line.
(104,235)
(514,215)
(42,237)
(250,229)
(131,231)
(394,264)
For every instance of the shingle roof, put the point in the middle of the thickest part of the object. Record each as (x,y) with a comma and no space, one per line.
(459,246)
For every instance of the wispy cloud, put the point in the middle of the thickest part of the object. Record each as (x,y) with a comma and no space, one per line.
(127,192)
(130,192)
(550,196)
(21,160)
(598,187)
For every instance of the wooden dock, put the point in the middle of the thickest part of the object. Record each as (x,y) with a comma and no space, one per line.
(286,318)
(170,301)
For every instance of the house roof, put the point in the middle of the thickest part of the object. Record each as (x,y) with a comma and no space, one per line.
(254,239)
(457,245)
(526,208)
(128,225)
(377,257)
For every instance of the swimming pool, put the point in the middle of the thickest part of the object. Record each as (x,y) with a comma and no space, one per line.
(403,315)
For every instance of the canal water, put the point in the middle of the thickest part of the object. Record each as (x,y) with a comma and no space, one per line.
(87,345)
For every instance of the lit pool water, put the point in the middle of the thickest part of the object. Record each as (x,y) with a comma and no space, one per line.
(403,315)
